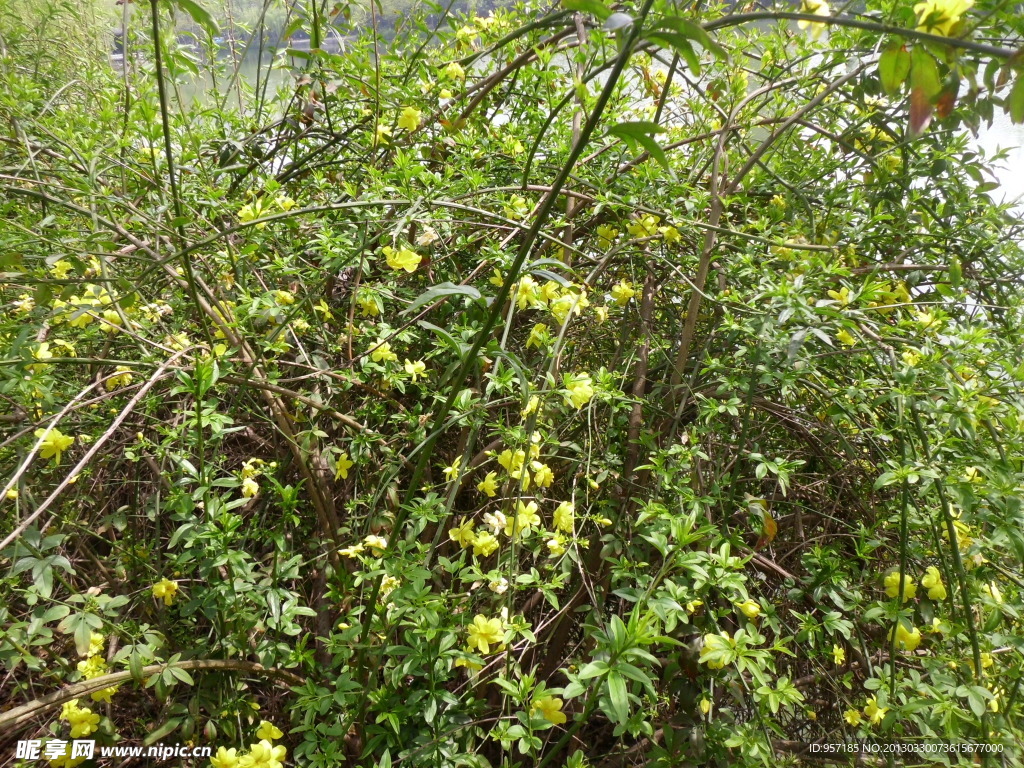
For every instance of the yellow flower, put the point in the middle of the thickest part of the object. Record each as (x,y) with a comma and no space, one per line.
(342,465)
(166,589)
(852,716)
(713,646)
(403,258)
(749,608)
(106,695)
(451,472)
(264,755)
(353,551)
(602,313)
(489,484)
(512,462)
(562,306)
(892,586)
(96,641)
(250,488)
(623,293)
(498,586)
(444,94)
(368,304)
(910,357)
(565,517)
(377,544)
(111,322)
(466,34)
(838,654)
(82,720)
(419,368)
(644,226)
(41,353)
(818,8)
(907,639)
(846,338)
(527,293)
(54,443)
(409,120)
(12,494)
(531,406)
(962,533)
(525,519)
(496,279)
(932,581)
(463,533)
(605,235)
(550,708)
(381,135)
(122,378)
(484,544)
(225,758)
(539,336)
(556,546)
(705,705)
(25,303)
(693,605)
(454,71)
(284,298)
(94,666)
(940,16)
(874,712)
(671,234)
(973,475)
(579,389)
(60,269)
(484,632)
(268,731)
(542,474)
(383,354)
(842,296)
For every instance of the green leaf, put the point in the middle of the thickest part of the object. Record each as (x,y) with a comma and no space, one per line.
(680,44)
(893,67)
(924,72)
(83,634)
(696,33)
(618,697)
(925,85)
(635,128)
(1015,100)
(439,291)
(593,7)
(445,336)
(167,728)
(638,132)
(135,666)
(182,675)
(956,272)
(199,15)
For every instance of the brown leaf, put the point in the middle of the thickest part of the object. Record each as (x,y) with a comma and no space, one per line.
(944,105)
(920,112)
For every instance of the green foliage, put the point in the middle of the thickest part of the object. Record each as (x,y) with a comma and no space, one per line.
(413,416)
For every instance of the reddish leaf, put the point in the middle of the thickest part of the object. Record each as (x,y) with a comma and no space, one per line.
(946,102)
(920,112)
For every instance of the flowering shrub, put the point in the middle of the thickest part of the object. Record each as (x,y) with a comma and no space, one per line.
(574,388)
